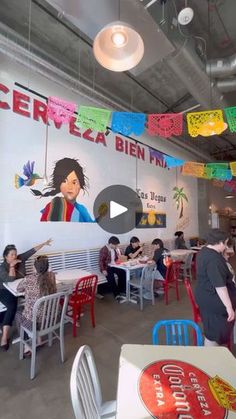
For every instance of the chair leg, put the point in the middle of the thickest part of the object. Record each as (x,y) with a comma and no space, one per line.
(50,339)
(21,343)
(141,298)
(33,358)
(92,314)
(166,289)
(177,289)
(74,320)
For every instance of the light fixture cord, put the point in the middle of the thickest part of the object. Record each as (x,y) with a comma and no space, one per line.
(119,10)
(29,39)
(209,52)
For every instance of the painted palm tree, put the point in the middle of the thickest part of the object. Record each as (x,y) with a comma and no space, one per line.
(179,197)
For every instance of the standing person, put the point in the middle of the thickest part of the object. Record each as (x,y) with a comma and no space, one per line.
(67,179)
(179,241)
(108,254)
(12,268)
(35,286)
(215,292)
(134,249)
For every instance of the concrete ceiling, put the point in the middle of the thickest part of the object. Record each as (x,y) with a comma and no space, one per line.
(153,87)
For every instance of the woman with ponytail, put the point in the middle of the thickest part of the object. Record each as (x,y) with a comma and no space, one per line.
(35,286)
(67,179)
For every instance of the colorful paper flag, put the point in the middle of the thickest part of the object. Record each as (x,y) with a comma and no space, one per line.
(173,162)
(193,169)
(205,123)
(127,123)
(60,110)
(165,125)
(94,118)
(231,118)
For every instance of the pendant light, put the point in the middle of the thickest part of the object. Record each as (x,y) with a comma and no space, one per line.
(118,47)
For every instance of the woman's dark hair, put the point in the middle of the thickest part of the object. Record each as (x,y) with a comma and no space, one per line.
(46,285)
(216,236)
(134,239)
(7,249)
(179,233)
(61,170)
(158,241)
(113,240)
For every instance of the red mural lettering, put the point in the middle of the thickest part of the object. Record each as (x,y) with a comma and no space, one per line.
(119,144)
(4,89)
(73,128)
(21,103)
(141,153)
(86,135)
(40,111)
(132,149)
(101,139)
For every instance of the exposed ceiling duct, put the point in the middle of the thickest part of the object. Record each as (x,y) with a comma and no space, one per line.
(226,85)
(222,67)
(189,68)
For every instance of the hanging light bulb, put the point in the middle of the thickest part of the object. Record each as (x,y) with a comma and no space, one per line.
(118,47)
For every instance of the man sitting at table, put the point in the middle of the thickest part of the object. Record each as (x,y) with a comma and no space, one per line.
(134,249)
(110,254)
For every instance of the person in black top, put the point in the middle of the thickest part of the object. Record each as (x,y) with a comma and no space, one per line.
(134,249)
(12,268)
(159,259)
(179,241)
(215,292)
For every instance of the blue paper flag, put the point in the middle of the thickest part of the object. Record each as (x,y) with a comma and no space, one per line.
(173,162)
(127,123)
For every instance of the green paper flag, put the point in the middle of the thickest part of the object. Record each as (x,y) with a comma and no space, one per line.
(231,118)
(94,118)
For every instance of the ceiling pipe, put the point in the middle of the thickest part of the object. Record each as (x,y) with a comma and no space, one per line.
(226,85)
(221,67)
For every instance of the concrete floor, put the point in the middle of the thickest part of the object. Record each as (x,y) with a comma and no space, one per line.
(48,396)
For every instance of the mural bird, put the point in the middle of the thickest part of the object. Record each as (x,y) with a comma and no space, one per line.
(31,177)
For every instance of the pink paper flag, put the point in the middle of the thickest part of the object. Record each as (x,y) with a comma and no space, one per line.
(60,110)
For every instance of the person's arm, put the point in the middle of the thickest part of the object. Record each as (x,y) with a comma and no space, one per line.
(46,243)
(224,296)
(103,261)
(8,276)
(135,254)
(22,285)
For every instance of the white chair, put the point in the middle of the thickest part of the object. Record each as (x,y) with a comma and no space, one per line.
(143,285)
(85,389)
(52,320)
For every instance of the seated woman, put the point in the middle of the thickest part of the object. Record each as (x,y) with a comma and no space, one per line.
(159,259)
(35,286)
(12,268)
(134,249)
(179,241)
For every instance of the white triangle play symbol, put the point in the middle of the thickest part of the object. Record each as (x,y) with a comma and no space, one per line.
(116,209)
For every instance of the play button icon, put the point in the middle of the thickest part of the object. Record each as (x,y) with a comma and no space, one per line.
(118,209)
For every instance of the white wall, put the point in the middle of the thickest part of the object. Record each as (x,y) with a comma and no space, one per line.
(23,138)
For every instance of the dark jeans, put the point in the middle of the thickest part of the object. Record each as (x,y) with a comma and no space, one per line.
(121,286)
(6,298)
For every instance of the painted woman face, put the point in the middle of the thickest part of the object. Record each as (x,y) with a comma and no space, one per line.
(11,256)
(70,188)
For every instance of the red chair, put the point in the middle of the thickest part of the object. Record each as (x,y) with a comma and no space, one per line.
(195,310)
(171,279)
(83,294)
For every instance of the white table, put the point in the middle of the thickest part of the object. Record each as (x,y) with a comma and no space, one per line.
(128,267)
(65,279)
(190,385)
(181,254)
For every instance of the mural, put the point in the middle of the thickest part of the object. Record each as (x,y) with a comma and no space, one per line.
(179,197)
(67,180)
(31,177)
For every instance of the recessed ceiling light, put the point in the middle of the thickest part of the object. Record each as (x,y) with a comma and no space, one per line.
(229,196)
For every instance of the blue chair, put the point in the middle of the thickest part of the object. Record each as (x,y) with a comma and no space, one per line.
(177,332)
